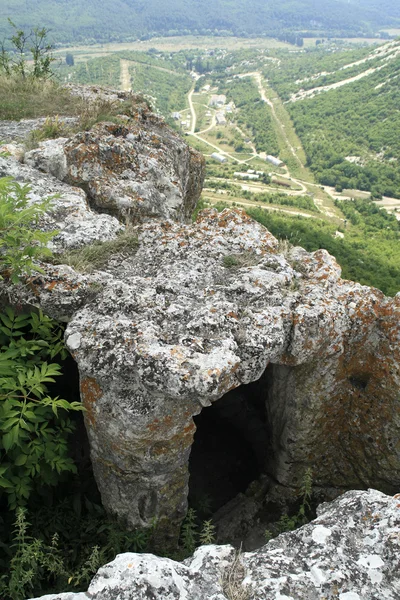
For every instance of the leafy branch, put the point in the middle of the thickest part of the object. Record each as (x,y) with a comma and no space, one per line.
(34,425)
(27,47)
(21,242)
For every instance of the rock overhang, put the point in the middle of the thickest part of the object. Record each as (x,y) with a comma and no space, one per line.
(193,326)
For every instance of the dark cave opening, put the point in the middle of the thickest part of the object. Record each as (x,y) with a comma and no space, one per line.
(230,448)
(66,386)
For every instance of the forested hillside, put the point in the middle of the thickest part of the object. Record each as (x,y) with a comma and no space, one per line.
(349,132)
(72,20)
(390,7)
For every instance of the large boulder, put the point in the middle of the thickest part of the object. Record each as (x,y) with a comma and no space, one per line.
(136,169)
(350,552)
(207,307)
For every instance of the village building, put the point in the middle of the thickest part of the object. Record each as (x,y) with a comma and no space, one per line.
(219,158)
(220,118)
(240,175)
(217,100)
(275,161)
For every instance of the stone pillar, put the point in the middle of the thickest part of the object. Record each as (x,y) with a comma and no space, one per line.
(140,444)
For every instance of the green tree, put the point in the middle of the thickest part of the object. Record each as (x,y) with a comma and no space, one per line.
(28,48)
(69,59)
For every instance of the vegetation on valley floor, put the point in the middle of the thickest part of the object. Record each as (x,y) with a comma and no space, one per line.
(254,116)
(368,253)
(123,20)
(348,133)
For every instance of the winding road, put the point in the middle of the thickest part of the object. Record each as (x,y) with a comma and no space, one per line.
(302,183)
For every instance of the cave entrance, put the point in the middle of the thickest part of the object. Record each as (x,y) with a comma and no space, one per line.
(66,386)
(230,447)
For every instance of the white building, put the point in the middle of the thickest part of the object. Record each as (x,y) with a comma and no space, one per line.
(219,158)
(275,161)
(246,175)
(220,118)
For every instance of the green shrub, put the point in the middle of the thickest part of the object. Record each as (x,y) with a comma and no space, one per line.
(290,522)
(20,241)
(62,550)
(31,55)
(34,426)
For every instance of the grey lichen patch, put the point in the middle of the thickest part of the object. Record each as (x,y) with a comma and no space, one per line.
(134,169)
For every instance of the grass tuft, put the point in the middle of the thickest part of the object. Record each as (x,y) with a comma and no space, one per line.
(32,98)
(244,259)
(96,256)
(232,580)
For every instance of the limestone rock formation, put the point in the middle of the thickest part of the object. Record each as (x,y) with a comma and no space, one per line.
(133,170)
(200,310)
(350,552)
(204,308)
(77,225)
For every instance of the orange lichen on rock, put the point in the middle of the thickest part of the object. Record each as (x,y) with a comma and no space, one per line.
(91,392)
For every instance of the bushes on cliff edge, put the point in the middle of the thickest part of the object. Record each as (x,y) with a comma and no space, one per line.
(33,425)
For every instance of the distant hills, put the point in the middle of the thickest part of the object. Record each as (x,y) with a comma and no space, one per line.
(389,8)
(107,20)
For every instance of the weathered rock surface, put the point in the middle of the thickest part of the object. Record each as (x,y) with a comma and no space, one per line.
(19,130)
(350,552)
(199,310)
(134,170)
(71,216)
(174,328)
(95,94)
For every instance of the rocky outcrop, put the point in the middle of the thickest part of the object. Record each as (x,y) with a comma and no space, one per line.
(350,552)
(137,169)
(207,307)
(199,310)
(77,225)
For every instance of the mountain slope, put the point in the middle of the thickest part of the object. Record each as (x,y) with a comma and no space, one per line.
(349,128)
(72,20)
(387,7)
